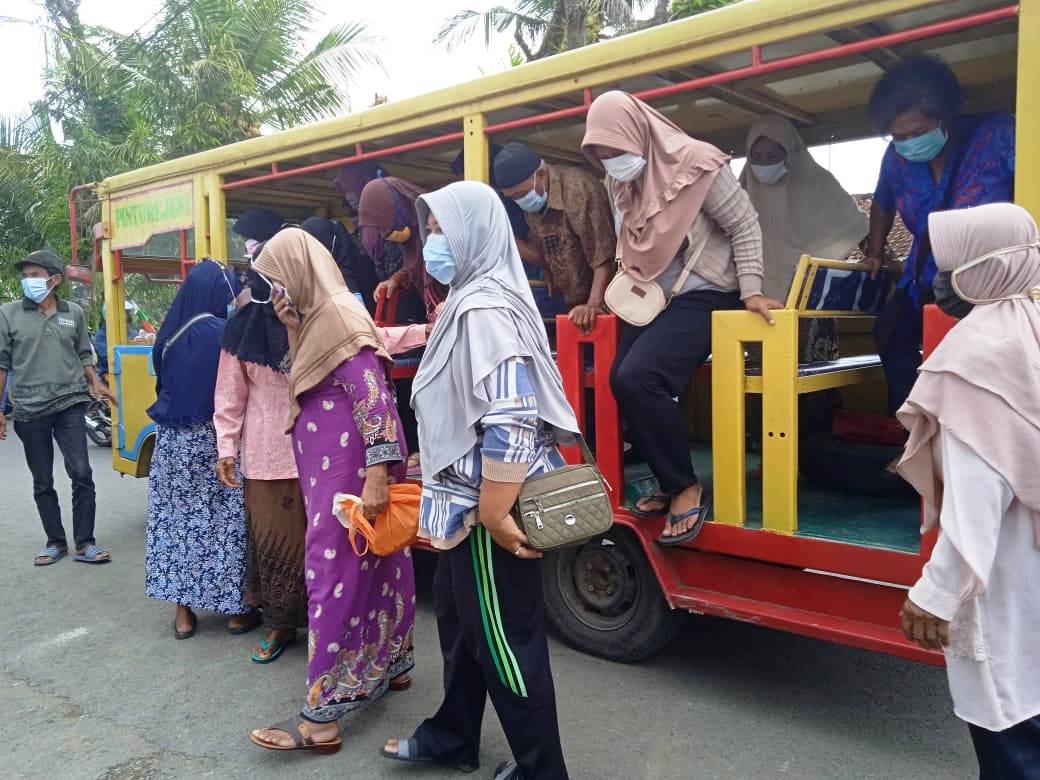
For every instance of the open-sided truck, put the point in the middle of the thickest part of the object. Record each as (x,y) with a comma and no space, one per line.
(781,552)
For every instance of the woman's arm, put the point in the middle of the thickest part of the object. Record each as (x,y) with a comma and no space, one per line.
(510,445)
(975,500)
(881,221)
(229,411)
(364,379)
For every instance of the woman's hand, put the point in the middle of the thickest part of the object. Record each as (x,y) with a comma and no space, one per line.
(375,494)
(762,305)
(285,311)
(924,628)
(226,473)
(390,286)
(509,537)
(875,263)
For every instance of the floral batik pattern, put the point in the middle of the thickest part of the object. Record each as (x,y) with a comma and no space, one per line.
(361,609)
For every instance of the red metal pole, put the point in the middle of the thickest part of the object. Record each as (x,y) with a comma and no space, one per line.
(759,68)
(184,254)
(324,166)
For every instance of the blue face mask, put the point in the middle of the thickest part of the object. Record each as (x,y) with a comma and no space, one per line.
(440,262)
(923,148)
(533,202)
(35,289)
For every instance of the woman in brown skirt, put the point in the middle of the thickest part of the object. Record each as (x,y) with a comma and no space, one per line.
(251,404)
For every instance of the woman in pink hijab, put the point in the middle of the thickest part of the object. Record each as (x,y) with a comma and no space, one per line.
(676,203)
(974,422)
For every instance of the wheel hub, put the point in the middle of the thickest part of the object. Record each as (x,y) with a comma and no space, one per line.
(598,579)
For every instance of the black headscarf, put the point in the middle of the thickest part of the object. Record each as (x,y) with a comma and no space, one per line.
(357,268)
(255,334)
(259,224)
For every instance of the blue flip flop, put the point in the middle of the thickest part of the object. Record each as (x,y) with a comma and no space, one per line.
(92,554)
(278,646)
(701,512)
(50,554)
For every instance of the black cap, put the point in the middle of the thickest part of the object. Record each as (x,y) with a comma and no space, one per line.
(46,259)
(515,163)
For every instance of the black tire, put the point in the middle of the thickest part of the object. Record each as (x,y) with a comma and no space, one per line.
(102,434)
(624,617)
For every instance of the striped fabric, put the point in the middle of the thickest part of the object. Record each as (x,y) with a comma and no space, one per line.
(512,444)
(506,665)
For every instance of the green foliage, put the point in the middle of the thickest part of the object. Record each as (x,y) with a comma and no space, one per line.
(208,73)
(680,9)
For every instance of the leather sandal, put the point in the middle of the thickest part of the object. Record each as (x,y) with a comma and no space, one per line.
(300,741)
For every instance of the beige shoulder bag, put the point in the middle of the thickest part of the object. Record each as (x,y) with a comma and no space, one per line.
(638,302)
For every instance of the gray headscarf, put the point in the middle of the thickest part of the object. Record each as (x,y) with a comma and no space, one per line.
(488,317)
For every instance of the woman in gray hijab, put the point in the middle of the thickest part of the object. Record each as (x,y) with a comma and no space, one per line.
(491,410)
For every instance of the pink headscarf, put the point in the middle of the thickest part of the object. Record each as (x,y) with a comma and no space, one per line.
(982,384)
(657,208)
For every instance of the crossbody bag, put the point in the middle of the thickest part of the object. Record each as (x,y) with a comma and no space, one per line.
(638,302)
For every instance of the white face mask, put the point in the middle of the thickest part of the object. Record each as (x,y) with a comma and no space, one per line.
(625,167)
(769,174)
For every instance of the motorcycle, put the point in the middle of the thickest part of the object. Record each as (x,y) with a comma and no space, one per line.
(98,418)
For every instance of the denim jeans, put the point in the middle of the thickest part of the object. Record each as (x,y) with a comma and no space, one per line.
(69,430)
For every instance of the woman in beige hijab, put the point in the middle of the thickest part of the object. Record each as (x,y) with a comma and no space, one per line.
(974,422)
(672,192)
(346,439)
(802,209)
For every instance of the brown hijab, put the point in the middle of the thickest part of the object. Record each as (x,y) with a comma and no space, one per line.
(388,205)
(658,207)
(336,327)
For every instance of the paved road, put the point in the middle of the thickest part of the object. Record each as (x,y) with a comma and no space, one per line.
(92,685)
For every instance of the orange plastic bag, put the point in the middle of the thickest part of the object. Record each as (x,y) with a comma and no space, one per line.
(395,528)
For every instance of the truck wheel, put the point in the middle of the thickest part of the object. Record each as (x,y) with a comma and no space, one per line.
(604,599)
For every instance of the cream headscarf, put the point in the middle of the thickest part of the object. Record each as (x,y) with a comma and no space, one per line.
(336,326)
(982,384)
(657,208)
(806,212)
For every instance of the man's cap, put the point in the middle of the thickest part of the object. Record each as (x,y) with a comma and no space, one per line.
(46,259)
(515,163)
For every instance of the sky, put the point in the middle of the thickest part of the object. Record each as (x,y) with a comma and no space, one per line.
(404,30)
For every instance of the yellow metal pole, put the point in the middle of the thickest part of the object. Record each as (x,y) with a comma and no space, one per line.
(218,244)
(475,146)
(115,330)
(201,218)
(727,418)
(1027,108)
(780,423)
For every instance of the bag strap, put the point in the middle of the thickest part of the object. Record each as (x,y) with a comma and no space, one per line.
(691,261)
(180,331)
(359,525)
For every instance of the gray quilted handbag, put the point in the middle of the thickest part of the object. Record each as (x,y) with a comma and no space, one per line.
(566,506)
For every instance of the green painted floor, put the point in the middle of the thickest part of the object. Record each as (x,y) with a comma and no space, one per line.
(873,522)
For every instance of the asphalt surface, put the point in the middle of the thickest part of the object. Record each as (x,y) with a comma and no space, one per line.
(92,685)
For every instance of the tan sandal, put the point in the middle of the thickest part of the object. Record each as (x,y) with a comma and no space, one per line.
(401,683)
(300,742)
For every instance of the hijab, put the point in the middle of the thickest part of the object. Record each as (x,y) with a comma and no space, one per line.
(982,383)
(350,180)
(336,327)
(258,224)
(186,373)
(255,334)
(489,317)
(388,205)
(659,206)
(806,212)
(333,236)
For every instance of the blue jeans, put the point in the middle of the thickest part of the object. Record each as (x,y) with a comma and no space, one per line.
(69,430)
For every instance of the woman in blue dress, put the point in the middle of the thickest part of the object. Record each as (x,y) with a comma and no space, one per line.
(939,159)
(196,542)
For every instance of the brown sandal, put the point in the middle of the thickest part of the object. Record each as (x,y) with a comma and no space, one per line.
(401,683)
(300,742)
